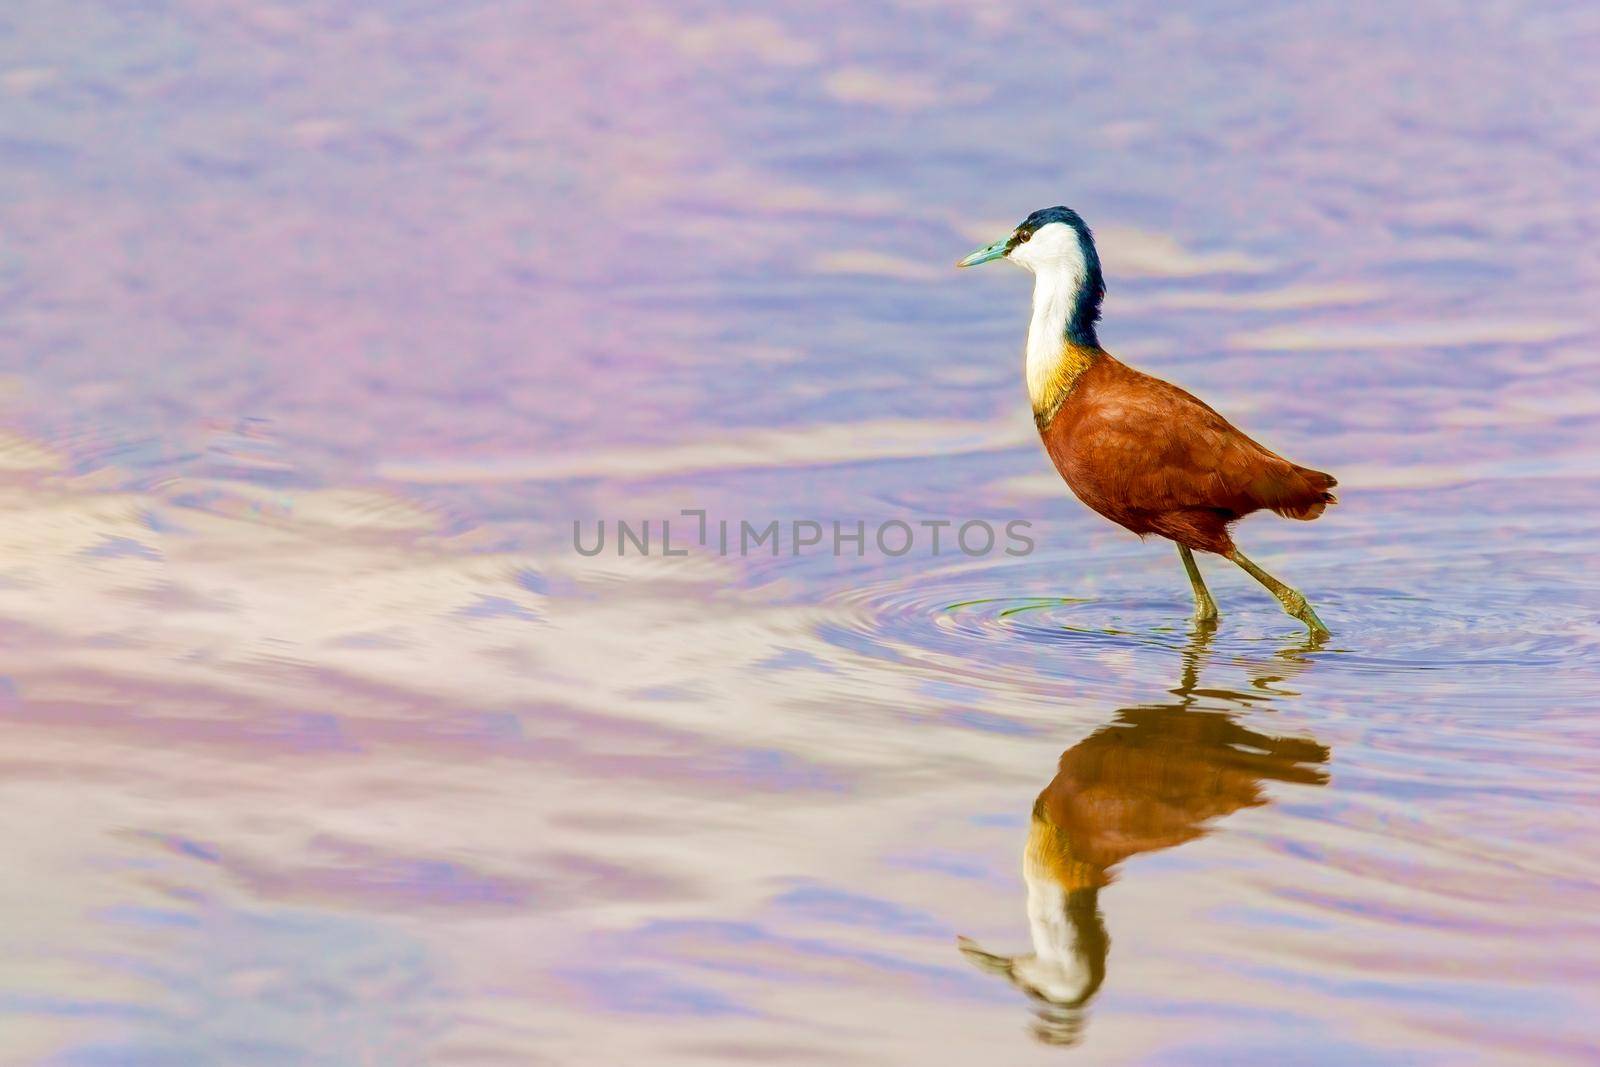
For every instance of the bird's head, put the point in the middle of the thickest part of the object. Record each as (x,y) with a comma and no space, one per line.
(1052,237)
(1062,978)
(1055,244)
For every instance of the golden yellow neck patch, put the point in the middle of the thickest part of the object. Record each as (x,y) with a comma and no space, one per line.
(1049,394)
(1049,853)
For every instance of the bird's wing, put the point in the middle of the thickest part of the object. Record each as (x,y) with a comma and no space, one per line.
(1167,449)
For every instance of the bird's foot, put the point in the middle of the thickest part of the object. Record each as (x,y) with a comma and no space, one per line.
(1298,607)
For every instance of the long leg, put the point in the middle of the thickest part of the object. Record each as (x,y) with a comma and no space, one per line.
(1292,600)
(1205,609)
(1194,658)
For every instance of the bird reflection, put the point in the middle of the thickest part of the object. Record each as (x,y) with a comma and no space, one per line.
(1155,776)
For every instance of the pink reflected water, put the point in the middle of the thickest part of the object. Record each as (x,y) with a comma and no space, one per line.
(323,745)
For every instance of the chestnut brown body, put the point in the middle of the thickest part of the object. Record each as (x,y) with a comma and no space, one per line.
(1156,778)
(1155,459)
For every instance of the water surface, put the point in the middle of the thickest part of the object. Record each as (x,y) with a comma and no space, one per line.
(325,322)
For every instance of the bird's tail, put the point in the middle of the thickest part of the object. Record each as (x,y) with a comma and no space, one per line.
(1310,498)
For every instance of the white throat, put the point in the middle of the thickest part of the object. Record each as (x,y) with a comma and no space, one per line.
(1055,295)
(1058,967)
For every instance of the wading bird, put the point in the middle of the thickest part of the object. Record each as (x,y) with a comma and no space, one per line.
(1156,776)
(1140,451)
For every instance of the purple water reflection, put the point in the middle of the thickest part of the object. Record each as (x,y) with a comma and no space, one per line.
(325,323)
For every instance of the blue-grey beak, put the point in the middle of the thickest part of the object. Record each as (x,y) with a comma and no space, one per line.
(985,254)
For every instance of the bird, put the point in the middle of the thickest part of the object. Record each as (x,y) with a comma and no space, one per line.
(1140,451)
(1154,777)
